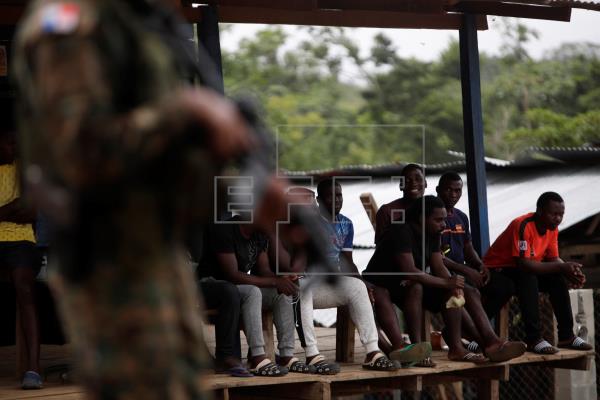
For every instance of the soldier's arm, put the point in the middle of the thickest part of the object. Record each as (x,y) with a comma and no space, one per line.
(90,140)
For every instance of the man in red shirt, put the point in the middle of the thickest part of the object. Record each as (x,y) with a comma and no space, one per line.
(527,254)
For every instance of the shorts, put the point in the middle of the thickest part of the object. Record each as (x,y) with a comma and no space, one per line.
(22,254)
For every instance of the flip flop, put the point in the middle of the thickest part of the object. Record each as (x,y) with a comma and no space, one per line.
(411,353)
(427,362)
(576,344)
(31,380)
(542,347)
(475,358)
(238,371)
(472,346)
(507,351)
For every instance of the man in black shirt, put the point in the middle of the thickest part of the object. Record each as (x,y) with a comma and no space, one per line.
(400,265)
(237,252)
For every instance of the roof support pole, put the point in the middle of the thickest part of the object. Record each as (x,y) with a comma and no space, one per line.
(208,38)
(473,133)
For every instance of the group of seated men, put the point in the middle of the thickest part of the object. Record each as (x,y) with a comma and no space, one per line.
(424,260)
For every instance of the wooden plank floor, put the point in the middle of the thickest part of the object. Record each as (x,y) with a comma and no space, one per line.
(54,389)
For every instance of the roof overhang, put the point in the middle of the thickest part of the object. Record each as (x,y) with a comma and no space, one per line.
(423,14)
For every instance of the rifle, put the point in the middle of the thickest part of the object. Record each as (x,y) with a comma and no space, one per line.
(256,164)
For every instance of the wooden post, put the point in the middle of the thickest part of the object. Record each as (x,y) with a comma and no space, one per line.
(370,206)
(426,328)
(502,322)
(344,336)
(488,389)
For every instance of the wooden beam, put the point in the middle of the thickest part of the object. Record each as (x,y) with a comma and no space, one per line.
(221,394)
(416,6)
(347,18)
(473,133)
(488,389)
(502,322)
(513,10)
(500,372)
(296,391)
(370,206)
(273,4)
(412,383)
(344,336)
(583,363)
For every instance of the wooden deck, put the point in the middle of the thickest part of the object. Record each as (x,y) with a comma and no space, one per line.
(352,380)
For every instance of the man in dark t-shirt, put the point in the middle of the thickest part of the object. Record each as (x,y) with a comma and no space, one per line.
(237,252)
(460,255)
(400,265)
(228,238)
(413,186)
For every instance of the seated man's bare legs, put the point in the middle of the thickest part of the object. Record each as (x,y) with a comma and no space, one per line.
(477,318)
(24,281)
(387,319)
(452,332)
(494,347)
(412,307)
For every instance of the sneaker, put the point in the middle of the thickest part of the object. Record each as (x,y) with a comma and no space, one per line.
(31,380)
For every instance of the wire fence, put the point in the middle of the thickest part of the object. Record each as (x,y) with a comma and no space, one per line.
(526,382)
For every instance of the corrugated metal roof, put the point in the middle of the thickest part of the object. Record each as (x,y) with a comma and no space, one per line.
(587,5)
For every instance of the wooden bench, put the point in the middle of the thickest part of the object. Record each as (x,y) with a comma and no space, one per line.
(354,380)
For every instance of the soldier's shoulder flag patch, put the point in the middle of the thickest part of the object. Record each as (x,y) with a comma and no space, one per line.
(60,18)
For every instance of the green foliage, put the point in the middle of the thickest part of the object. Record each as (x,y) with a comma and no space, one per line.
(548,128)
(324,119)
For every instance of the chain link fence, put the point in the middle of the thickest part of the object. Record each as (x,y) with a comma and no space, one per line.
(596,296)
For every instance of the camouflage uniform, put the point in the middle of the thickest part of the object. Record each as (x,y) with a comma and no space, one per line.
(107,155)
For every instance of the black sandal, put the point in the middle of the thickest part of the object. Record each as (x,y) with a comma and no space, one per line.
(322,367)
(295,365)
(380,362)
(267,368)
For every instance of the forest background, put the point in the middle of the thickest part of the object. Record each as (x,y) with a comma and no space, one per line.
(323,121)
